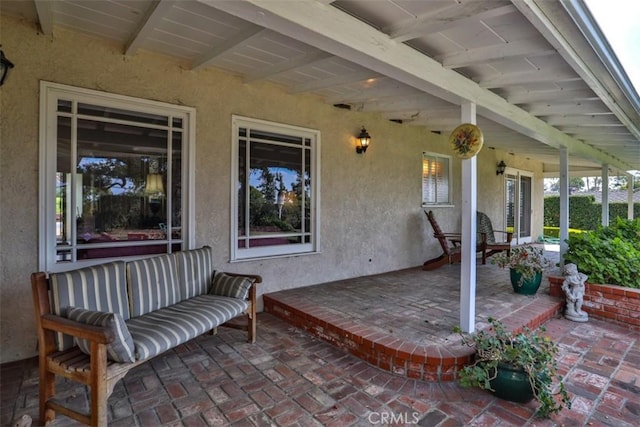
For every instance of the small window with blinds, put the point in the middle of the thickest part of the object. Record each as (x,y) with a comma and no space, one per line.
(436,178)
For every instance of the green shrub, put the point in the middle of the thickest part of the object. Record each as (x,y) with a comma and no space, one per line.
(608,255)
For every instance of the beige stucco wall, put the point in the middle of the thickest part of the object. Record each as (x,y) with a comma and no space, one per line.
(371,218)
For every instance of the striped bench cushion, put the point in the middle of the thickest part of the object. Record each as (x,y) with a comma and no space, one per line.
(195,270)
(99,288)
(153,284)
(230,286)
(163,329)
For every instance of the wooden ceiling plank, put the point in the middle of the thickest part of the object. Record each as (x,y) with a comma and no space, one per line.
(516,79)
(524,97)
(249,32)
(585,107)
(288,65)
(337,80)
(519,48)
(446,19)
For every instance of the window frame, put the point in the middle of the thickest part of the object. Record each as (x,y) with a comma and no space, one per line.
(247,254)
(50,93)
(432,156)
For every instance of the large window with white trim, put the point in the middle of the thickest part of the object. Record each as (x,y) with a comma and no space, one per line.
(114,177)
(436,179)
(275,188)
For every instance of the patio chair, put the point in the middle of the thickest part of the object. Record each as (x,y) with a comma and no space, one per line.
(450,244)
(491,246)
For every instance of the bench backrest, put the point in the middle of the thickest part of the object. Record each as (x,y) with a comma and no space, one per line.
(101,288)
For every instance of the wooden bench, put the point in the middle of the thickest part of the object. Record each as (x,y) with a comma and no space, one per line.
(92,365)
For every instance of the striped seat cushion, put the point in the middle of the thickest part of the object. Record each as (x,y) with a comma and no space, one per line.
(163,329)
(99,288)
(153,284)
(195,270)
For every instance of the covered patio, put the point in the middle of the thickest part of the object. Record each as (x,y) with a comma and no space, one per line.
(291,378)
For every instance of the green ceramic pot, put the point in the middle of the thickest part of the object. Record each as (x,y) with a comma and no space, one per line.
(512,384)
(526,287)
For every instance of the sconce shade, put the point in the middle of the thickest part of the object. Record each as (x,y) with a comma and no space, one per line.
(154,185)
(5,66)
(500,167)
(363,141)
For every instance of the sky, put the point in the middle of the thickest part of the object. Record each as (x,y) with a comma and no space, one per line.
(619,20)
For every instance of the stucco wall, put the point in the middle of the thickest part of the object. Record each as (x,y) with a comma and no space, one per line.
(371,218)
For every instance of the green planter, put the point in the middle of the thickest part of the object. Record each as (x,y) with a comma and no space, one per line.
(512,384)
(525,287)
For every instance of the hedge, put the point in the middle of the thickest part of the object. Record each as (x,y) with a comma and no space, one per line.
(584,212)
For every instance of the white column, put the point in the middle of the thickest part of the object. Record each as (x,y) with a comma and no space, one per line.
(605,194)
(629,196)
(469,206)
(564,202)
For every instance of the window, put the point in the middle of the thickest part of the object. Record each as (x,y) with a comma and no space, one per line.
(114,179)
(275,187)
(436,176)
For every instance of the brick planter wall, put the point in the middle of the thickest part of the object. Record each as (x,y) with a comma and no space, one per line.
(607,302)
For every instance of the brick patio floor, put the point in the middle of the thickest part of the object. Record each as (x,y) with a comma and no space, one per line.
(290,378)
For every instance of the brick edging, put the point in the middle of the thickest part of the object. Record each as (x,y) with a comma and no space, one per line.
(607,302)
(393,354)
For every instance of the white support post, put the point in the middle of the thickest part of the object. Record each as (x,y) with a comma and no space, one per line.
(630,196)
(469,205)
(605,194)
(564,203)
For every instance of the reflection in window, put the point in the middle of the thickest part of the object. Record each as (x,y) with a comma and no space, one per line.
(274,206)
(117,179)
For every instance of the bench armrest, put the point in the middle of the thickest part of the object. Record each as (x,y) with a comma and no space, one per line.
(98,334)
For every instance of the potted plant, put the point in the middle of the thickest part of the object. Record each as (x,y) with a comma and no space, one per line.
(518,367)
(526,264)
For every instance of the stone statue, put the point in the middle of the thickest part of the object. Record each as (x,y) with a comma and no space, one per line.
(573,287)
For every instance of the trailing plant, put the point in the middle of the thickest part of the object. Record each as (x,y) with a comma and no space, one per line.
(608,255)
(527,260)
(531,351)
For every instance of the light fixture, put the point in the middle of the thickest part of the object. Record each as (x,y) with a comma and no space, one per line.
(5,66)
(363,141)
(500,167)
(154,185)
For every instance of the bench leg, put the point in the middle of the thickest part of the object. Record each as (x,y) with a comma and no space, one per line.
(98,386)
(47,390)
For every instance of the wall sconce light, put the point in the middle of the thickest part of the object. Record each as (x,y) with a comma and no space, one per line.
(500,167)
(5,66)
(363,141)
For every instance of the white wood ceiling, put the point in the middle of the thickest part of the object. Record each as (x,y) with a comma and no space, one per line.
(536,81)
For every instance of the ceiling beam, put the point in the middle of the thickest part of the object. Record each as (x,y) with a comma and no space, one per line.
(249,32)
(567,108)
(154,15)
(327,28)
(44,9)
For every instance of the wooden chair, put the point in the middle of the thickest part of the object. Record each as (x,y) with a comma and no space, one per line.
(450,244)
(490,244)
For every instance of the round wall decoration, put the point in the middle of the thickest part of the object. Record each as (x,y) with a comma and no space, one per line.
(466,140)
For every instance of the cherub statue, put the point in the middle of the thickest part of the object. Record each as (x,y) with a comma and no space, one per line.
(573,287)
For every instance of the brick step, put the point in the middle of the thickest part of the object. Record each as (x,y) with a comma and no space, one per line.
(392,353)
